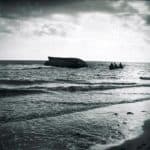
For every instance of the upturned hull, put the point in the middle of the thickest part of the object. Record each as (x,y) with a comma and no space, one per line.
(65,62)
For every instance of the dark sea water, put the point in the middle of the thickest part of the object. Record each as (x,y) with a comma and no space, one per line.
(44,107)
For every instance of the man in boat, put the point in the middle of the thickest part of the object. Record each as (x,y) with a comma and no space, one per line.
(111,66)
(115,65)
(120,65)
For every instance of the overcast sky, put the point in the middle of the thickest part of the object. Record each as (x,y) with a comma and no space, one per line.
(107,30)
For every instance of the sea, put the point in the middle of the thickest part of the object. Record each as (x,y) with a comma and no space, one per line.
(52,108)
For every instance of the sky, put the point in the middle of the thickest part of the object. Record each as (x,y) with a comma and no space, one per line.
(104,30)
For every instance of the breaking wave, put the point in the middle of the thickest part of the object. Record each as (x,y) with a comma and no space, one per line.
(22,82)
(22,87)
(84,87)
(30,82)
(14,92)
(66,88)
(10,67)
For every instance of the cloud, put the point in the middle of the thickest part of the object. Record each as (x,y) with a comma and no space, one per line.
(21,8)
(12,9)
(8,26)
(50,29)
(17,13)
(5,31)
(55,25)
(134,14)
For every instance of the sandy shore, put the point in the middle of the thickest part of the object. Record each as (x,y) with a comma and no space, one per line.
(140,143)
(133,123)
(94,129)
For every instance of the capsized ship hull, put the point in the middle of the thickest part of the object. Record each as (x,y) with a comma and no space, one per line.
(65,62)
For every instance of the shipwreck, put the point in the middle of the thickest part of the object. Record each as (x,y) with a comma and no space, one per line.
(65,62)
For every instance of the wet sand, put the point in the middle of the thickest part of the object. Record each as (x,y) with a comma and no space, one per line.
(94,129)
(140,143)
(133,124)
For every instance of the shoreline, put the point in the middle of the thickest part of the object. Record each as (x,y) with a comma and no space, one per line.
(139,143)
(133,122)
(92,129)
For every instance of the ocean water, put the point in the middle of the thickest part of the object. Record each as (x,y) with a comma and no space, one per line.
(43,107)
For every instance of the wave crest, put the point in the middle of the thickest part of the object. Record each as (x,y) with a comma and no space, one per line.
(22,82)
(78,88)
(14,92)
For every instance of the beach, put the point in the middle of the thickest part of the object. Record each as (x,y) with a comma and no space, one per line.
(139,143)
(134,126)
(95,129)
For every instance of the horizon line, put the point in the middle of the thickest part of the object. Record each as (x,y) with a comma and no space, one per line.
(21,60)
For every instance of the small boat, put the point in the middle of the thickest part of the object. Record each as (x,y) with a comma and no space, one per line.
(65,62)
(145,78)
(115,66)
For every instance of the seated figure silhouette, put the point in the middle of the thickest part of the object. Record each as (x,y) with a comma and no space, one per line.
(120,65)
(111,66)
(115,65)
